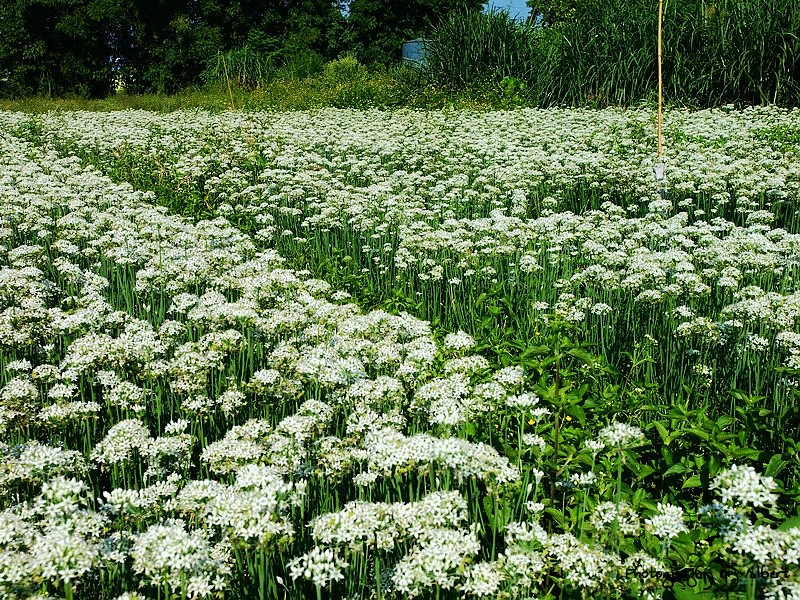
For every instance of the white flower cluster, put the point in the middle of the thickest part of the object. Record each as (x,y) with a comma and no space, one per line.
(622,516)
(321,566)
(55,538)
(130,437)
(773,548)
(242,444)
(621,435)
(141,502)
(668,521)
(458,342)
(247,333)
(387,451)
(435,561)
(725,230)
(384,525)
(33,462)
(742,486)
(169,556)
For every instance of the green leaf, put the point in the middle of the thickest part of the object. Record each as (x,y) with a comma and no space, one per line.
(684,592)
(637,497)
(676,468)
(713,466)
(776,465)
(693,482)
(557,515)
(662,431)
(643,471)
(701,433)
(790,523)
(536,351)
(750,453)
(582,355)
(576,412)
(724,421)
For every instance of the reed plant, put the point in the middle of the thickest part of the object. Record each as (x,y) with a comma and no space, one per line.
(243,67)
(726,51)
(472,48)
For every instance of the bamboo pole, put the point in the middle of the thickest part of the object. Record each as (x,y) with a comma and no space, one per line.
(660,78)
(228,81)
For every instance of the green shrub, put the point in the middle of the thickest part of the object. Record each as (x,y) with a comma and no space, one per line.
(344,70)
(300,64)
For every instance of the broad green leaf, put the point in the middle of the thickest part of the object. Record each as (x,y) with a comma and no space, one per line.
(662,431)
(680,591)
(701,433)
(676,468)
(776,465)
(582,355)
(790,523)
(576,412)
(693,482)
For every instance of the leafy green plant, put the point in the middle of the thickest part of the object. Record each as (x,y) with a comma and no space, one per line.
(470,48)
(242,67)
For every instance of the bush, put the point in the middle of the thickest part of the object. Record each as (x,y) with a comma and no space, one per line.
(301,63)
(344,70)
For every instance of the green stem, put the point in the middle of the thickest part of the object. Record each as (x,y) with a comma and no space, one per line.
(378,589)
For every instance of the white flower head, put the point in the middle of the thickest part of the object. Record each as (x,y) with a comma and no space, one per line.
(621,435)
(743,486)
(667,523)
(320,565)
(458,342)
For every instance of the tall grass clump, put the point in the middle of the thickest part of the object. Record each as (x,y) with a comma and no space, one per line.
(729,51)
(243,66)
(250,69)
(743,51)
(608,55)
(482,48)
(604,53)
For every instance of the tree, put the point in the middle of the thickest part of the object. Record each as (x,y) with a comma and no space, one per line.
(554,11)
(315,26)
(376,29)
(56,47)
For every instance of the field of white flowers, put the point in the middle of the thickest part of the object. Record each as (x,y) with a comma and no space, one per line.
(368,354)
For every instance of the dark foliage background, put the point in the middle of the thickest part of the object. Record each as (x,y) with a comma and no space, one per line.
(574,52)
(86,48)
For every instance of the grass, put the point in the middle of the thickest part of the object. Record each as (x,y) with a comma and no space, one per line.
(403,86)
(745,52)
(730,51)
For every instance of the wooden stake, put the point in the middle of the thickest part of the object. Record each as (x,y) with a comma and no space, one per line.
(660,78)
(228,81)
